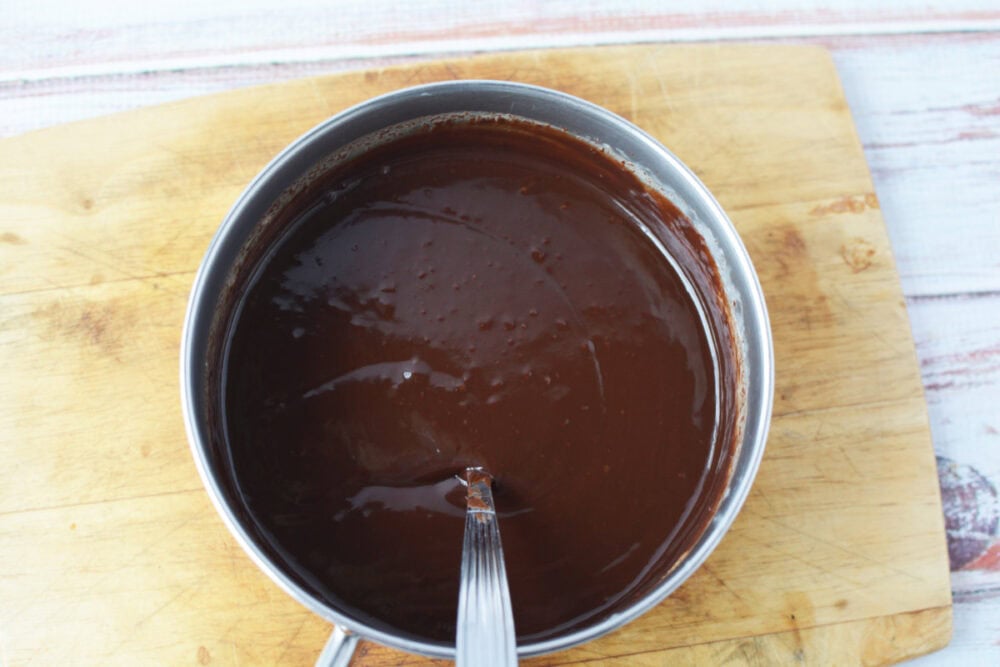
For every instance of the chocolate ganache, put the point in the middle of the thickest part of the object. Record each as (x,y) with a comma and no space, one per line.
(491,292)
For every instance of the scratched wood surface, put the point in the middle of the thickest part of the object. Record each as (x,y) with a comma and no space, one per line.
(109,549)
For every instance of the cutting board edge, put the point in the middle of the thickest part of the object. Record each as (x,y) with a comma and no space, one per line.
(868,641)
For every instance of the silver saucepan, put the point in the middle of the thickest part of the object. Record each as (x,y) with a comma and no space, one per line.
(406,107)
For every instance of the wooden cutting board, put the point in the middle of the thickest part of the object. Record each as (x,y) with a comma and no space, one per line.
(110,552)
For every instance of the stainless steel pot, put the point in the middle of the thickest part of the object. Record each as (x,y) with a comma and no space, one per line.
(654,162)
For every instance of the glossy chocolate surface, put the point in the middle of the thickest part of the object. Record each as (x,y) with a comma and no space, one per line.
(487,293)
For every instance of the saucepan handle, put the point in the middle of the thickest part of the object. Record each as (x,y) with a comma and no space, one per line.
(339,649)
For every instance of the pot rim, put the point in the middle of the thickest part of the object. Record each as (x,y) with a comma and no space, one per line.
(537,104)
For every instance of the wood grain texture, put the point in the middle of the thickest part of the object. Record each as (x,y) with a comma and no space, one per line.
(917,138)
(184,35)
(111,553)
(864,642)
(930,115)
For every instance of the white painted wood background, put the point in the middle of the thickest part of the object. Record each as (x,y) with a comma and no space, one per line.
(922,80)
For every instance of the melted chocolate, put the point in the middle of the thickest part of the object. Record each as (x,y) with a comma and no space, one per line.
(481,293)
